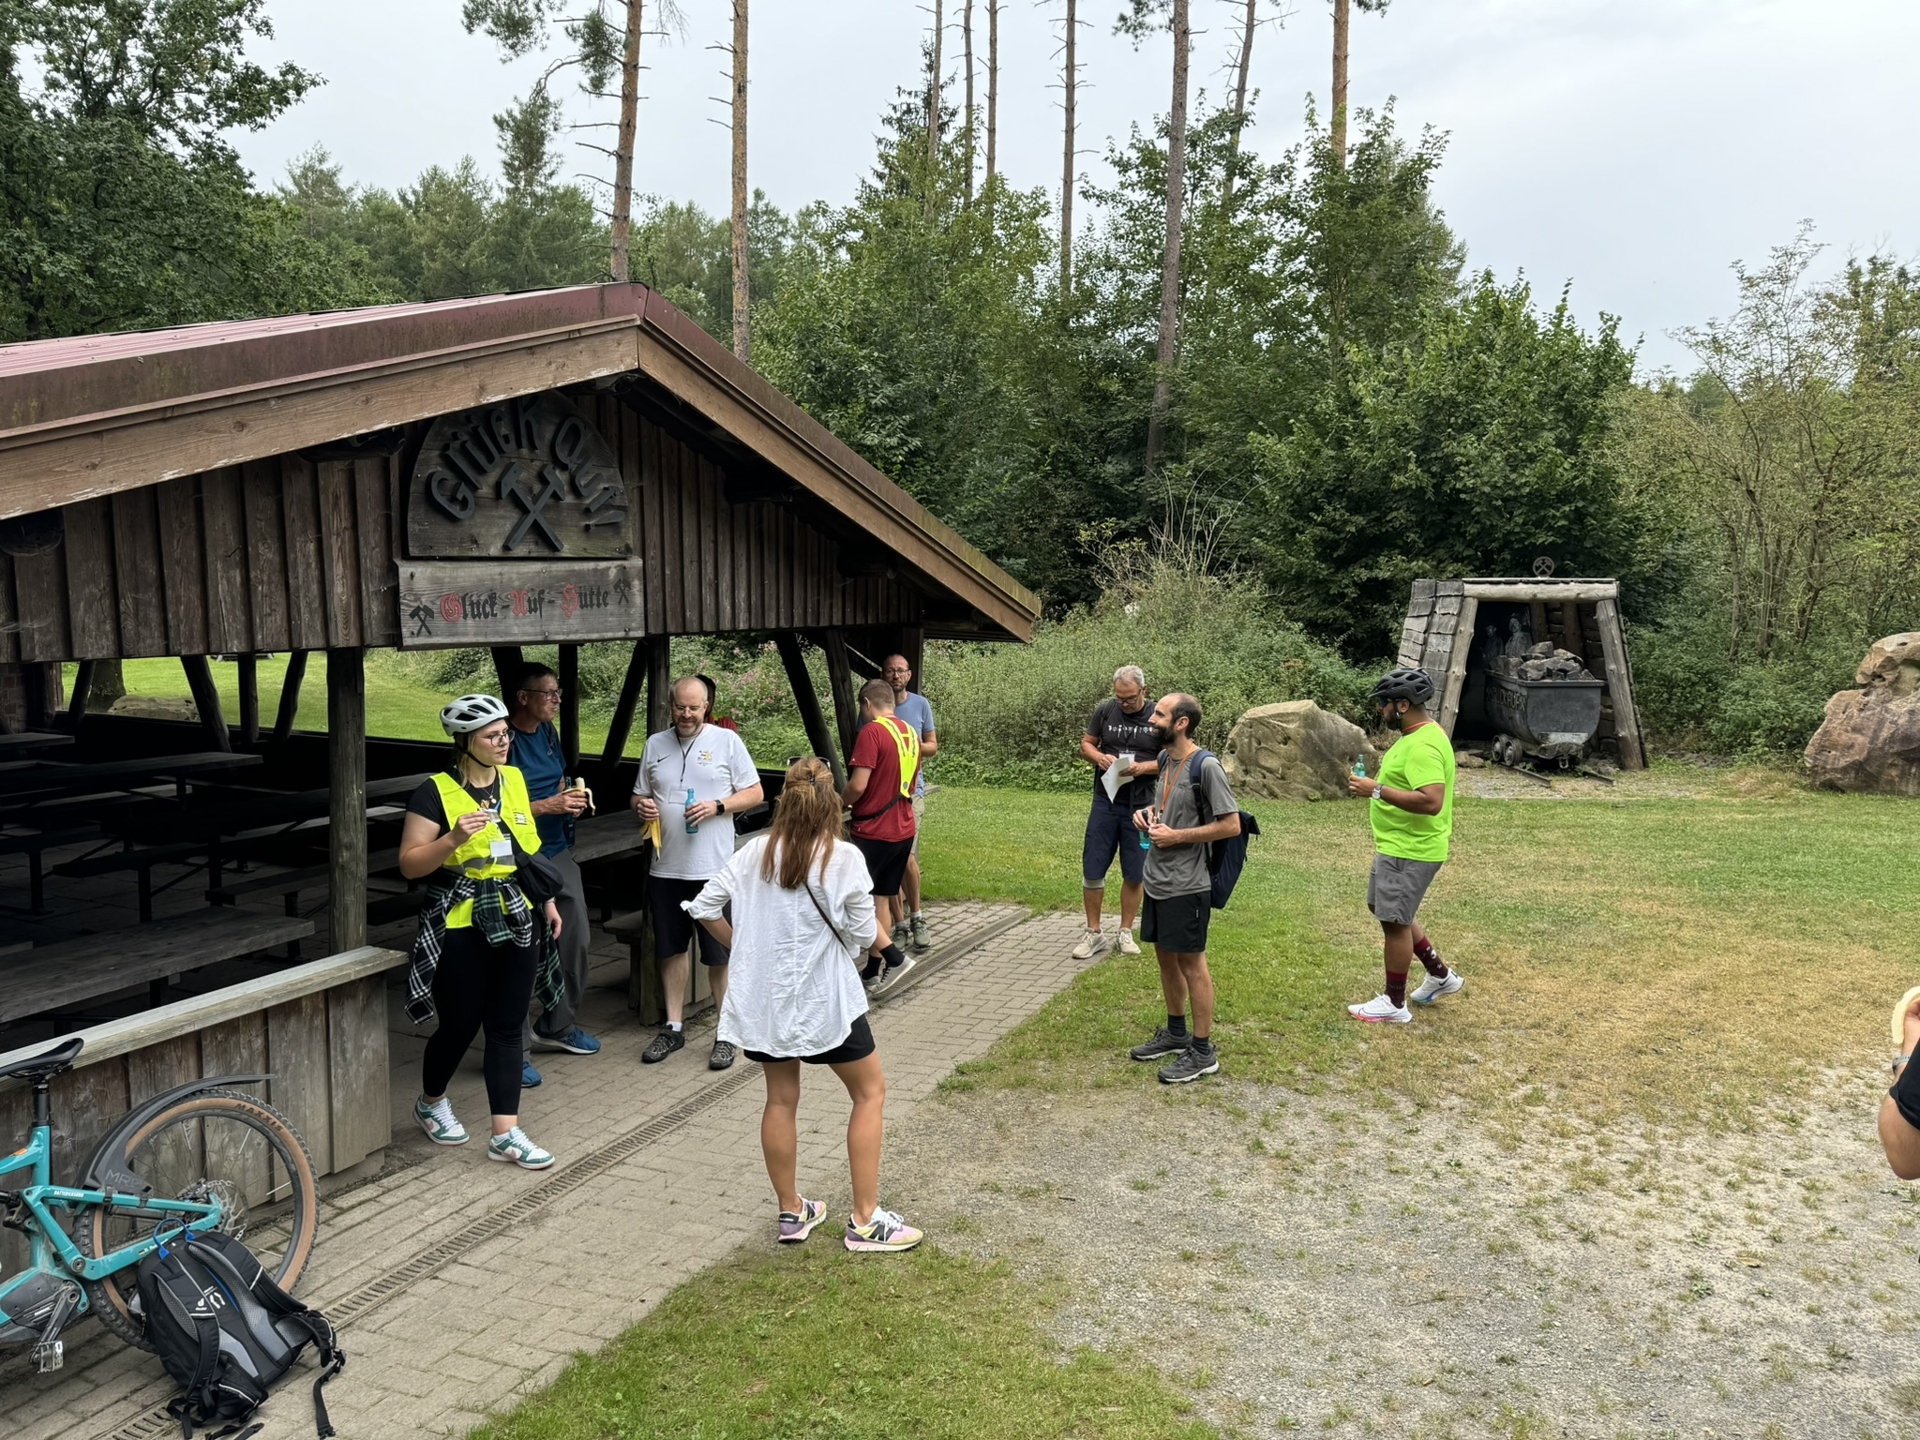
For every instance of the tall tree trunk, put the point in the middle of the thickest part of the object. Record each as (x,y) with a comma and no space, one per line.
(1167,349)
(1342,13)
(623,147)
(1066,164)
(966,33)
(1240,93)
(742,334)
(933,89)
(993,82)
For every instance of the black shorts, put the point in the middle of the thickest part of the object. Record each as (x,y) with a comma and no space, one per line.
(886,862)
(857,1046)
(1177,924)
(673,927)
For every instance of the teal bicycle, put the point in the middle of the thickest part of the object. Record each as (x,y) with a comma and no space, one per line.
(205,1156)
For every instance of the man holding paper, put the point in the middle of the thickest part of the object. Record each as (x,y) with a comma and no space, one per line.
(1120,745)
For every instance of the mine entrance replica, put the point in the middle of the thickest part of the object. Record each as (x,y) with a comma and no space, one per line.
(1535,669)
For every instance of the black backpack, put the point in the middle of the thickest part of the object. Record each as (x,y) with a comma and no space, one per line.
(1225,858)
(226,1332)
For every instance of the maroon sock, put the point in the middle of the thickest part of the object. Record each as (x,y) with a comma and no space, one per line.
(1430,958)
(1397,988)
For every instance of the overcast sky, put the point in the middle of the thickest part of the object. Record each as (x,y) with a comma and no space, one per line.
(1632,147)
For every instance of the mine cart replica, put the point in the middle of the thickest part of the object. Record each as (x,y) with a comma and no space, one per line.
(1531,670)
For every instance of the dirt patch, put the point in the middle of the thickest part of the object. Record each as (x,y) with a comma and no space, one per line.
(1313,1263)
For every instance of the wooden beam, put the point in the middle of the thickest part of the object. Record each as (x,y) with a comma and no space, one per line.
(846,710)
(347,797)
(206,699)
(1585,592)
(1570,625)
(289,696)
(659,684)
(1626,717)
(913,645)
(82,691)
(506,671)
(1456,677)
(787,642)
(250,699)
(569,706)
(621,727)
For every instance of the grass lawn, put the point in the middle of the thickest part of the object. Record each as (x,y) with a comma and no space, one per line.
(1660,955)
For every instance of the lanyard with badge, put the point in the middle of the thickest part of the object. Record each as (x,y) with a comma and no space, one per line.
(500,848)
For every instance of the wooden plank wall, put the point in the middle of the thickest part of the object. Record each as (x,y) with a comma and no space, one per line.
(293,554)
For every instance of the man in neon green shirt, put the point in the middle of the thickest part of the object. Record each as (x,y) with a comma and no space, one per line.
(1411,806)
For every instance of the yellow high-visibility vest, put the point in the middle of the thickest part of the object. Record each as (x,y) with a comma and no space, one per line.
(476,857)
(907,741)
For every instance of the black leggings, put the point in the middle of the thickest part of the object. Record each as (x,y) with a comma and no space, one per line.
(475,984)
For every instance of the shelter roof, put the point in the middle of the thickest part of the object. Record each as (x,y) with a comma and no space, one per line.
(91,415)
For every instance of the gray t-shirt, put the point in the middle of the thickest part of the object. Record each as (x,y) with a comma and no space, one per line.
(1182,869)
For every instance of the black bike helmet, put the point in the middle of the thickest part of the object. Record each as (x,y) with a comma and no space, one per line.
(1413,686)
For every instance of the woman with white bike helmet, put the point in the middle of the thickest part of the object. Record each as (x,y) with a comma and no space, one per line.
(483,945)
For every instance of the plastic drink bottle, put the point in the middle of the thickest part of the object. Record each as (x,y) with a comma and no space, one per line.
(1145,843)
(1360,766)
(692,827)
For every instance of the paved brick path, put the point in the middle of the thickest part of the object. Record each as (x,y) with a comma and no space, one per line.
(462,1285)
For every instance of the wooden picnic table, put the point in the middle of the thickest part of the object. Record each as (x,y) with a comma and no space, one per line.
(45,779)
(12,745)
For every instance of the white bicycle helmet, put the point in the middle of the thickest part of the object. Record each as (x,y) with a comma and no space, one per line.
(470,713)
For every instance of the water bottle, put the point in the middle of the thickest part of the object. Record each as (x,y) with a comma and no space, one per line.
(1360,765)
(692,827)
(1145,843)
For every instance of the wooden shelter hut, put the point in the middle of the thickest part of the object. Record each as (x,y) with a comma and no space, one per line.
(1446,634)
(554,467)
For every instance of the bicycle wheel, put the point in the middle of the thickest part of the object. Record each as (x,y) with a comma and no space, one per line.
(219,1144)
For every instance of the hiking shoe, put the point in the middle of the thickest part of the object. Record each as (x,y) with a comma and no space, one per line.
(1430,989)
(530,1078)
(902,934)
(1381,1011)
(514,1148)
(1191,1066)
(885,1231)
(922,936)
(795,1228)
(1092,942)
(1163,1044)
(662,1045)
(722,1056)
(437,1120)
(892,976)
(1128,945)
(574,1041)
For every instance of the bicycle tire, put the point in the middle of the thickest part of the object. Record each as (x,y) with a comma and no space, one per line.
(109,1296)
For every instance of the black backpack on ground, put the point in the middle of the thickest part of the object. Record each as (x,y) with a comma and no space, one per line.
(1225,858)
(226,1332)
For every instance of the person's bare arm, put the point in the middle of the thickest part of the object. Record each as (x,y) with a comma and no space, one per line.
(720,929)
(740,800)
(1898,1137)
(1224,828)
(856,787)
(423,849)
(929,743)
(1091,752)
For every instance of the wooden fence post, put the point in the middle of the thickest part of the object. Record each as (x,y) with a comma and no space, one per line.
(347,797)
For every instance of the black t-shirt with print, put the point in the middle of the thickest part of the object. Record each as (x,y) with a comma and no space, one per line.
(426,803)
(1115,732)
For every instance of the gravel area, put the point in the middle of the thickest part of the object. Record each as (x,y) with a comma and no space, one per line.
(1301,1262)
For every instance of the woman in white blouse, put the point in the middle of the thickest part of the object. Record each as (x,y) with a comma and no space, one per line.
(802,921)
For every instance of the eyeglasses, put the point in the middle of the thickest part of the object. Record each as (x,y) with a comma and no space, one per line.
(545,694)
(699,709)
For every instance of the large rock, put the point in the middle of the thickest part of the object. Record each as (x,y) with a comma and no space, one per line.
(1870,740)
(1294,751)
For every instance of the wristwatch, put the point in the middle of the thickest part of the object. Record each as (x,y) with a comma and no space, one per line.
(719,807)
(1378,787)
(1900,1060)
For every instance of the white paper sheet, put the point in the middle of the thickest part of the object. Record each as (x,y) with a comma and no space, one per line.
(1115,776)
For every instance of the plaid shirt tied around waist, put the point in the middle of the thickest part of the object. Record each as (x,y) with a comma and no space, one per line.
(502,913)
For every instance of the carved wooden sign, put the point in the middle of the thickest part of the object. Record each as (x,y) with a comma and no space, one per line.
(461,602)
(527,479)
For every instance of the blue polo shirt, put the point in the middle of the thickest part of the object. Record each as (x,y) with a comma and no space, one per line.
(915,711)
(539,758)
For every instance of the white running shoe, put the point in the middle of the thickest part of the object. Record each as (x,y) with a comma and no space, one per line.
(516,1149)
(1430,989)
(1381,1011)
(438,1121)
(1128,945)
(1092,942)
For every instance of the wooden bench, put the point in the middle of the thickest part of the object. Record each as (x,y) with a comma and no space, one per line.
(141,861)
(74,971)
(33,846)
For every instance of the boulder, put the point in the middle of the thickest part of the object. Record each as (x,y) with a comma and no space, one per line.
(1870,739)
(156,707)
(1295,751)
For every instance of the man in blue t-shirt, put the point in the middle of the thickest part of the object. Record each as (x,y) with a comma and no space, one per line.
(538,755)
(913,710)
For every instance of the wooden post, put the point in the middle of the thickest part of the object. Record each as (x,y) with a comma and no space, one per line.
(1626,718)
(1570,623)
(1456,680)
(913,645)
(41,680)
(347,797)
(82,690)
(206,699)
(569,706)
(846,711)
(1538,617)
(659,684)
(506,671)
(622,725)
(250,699)
(788,644)
(289,696)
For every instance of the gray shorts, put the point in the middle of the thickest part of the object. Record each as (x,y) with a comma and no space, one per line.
(1396,887)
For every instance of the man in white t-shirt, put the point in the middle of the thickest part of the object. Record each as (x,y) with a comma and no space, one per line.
(693,779)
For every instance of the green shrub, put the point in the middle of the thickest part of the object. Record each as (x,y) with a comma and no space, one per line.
(1014,714)
(1692,697)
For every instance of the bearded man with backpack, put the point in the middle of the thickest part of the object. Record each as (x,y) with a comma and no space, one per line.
(1193,808)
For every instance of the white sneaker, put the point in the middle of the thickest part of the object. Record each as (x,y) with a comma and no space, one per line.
(438,1121)
(516,1149)
(1092,942)
(1380,1010)
(1128,945)
(1430,989)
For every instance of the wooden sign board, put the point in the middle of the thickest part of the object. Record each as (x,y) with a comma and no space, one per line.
(527,479)
(458,602)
